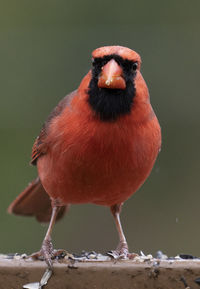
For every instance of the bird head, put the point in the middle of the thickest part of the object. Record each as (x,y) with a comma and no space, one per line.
(115,65)
(112,85)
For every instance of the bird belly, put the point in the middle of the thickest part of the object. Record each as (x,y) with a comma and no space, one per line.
(98,169)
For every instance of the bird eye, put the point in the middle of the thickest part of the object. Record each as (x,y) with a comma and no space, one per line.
(134,66)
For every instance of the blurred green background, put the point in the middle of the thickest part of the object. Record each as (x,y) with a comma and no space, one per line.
(45,50)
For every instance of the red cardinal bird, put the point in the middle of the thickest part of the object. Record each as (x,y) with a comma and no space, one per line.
(97,146)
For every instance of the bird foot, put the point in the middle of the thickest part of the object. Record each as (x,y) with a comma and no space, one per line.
(121,252)
(47,253)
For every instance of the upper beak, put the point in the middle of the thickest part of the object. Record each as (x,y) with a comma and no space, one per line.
(111,76)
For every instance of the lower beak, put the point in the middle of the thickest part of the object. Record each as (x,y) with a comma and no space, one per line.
(111,76)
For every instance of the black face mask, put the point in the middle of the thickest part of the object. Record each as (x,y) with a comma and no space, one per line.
(109,104)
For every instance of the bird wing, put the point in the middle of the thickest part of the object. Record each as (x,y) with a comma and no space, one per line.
(40,145)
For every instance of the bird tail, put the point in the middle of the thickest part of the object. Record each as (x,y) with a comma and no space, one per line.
(34,201)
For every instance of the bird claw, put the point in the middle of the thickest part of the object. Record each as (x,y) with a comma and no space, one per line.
(47,253)
(117,255)
(121,252)
(121,256)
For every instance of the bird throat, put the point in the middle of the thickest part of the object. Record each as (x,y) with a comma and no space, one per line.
(110,104)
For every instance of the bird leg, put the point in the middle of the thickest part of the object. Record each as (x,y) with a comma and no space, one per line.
(122,248)
(46,250)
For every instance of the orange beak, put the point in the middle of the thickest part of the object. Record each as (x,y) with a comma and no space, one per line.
(111,76)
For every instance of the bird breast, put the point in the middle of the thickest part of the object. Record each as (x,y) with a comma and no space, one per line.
(97,162)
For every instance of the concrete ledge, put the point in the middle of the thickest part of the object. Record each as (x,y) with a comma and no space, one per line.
(111,274)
